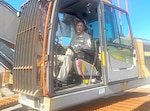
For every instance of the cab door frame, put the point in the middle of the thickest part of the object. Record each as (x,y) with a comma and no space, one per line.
(127,71)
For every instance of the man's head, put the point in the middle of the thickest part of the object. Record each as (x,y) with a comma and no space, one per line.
(80,27)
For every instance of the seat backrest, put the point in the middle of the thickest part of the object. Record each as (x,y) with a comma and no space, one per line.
(84,67)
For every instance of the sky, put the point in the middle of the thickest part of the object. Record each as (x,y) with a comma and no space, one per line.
(140,18)
(138,14)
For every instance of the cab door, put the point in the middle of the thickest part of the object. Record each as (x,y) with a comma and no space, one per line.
(121,63)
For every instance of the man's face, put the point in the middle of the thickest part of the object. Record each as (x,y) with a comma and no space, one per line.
(79,28)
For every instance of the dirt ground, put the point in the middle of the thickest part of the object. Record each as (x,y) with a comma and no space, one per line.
(133,100)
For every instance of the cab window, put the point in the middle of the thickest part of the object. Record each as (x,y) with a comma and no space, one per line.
(117,28)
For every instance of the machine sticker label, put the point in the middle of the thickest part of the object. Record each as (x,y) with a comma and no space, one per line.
(101,91)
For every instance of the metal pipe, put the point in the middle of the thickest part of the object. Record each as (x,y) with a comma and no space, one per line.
(4,78)
(120,18)
(127,9)
(126,2)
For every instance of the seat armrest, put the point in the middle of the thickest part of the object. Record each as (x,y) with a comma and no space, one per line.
(88,51)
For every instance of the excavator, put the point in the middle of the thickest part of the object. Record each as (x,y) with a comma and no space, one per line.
(115,63)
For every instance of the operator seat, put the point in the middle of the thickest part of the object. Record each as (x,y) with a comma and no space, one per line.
(85,67)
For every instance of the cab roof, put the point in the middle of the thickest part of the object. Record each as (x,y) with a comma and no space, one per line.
(83,9)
